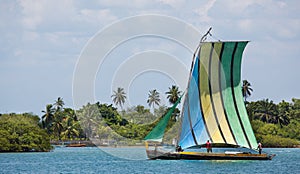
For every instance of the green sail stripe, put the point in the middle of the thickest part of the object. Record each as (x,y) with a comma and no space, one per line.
(234,85)
(228,100)
(222,84)
(158,131)
(239,96)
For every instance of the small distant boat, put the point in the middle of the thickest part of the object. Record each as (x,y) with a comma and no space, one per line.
(76,145)
(213,109)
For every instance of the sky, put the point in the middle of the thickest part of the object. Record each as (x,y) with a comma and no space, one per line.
(43,44)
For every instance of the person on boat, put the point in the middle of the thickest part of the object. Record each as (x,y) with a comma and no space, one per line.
(208,146)
(179,149)
(259,147)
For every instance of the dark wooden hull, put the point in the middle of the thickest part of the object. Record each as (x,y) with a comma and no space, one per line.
(153,154)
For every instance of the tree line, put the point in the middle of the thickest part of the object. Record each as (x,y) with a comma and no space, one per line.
(63,123)
(28,132)
(273,124)
(276,125)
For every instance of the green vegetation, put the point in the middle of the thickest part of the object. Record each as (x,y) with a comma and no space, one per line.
(275,125)
(61,123)
(104,123)
(22,133)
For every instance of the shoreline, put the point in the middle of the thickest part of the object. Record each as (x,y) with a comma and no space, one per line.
(123,146)
(89,143)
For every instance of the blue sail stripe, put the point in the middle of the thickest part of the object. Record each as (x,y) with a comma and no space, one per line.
(195,114)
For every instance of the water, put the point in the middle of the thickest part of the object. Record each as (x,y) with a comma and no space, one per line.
(94,160)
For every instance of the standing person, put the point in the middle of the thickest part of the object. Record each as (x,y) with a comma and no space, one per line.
(208,146)
(179,149)
(259,147)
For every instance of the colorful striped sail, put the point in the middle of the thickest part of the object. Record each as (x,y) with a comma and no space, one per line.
(213,107)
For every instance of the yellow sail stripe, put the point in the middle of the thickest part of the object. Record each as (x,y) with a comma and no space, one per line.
(206,106)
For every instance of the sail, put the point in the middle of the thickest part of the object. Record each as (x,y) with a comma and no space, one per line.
(158,131)
(193,127)
(213,108)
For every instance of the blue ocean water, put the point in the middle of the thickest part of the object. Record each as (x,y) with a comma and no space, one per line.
(95,160)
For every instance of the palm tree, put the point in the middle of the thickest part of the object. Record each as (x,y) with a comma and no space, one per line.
(266,111)
(141,109)
(57,124)
(70,128)
(58,118)
(281,120)
(69,112)
(153,98)
(173,94)
(59,103)
(89,117)
(283,113)
(119,97)
(47,118)
(246,89)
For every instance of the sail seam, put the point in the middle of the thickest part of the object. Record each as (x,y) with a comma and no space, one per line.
(233,96)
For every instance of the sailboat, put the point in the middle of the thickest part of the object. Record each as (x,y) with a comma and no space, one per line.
(213,109)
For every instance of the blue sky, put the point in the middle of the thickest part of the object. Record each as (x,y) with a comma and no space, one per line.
(41,42)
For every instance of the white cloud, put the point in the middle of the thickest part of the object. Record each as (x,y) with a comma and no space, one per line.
(30,36)
(32,11)
(239,7)
(246,25)
(173,3)
(257,18)
(281,4)
(44,11)
(277,28)
(285,32)
(46,34)
(203,10)
(95,16)
(125,3)
(253,8)
(289,28)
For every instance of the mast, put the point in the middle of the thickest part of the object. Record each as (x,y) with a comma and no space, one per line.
(203,38)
